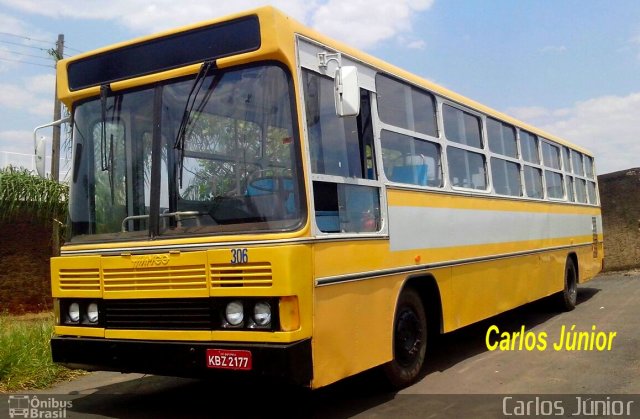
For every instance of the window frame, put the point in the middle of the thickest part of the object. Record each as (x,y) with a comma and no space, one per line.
(536,140)
(520,174)
(380,125)
(312,177)
(413,88)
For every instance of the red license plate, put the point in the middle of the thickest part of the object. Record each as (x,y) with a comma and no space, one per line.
(229,359)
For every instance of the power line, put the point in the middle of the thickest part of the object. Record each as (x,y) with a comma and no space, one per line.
(36,40)
(27,55)
(26,62)
(25,37)
(22,45)
(72,49)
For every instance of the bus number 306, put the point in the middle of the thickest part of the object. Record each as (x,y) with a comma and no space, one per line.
(239,256)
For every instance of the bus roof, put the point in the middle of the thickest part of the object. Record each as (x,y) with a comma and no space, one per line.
(272,19)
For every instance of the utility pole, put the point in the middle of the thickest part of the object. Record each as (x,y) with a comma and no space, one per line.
(55,139)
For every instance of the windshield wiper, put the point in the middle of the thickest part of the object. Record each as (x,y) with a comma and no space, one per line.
(206,68)
(104,157)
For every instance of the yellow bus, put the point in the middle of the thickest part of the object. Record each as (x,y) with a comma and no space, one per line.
(251,197)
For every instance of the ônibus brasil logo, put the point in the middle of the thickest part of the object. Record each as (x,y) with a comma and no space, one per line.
(23,406)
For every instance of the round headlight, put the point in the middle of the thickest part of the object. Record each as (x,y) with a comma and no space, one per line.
(235,313)
(74,312)
(92,313)
(262,313)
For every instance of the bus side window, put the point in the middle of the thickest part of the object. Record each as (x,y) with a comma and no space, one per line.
(327,212)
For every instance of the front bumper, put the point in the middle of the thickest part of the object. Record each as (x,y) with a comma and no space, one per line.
(291,361)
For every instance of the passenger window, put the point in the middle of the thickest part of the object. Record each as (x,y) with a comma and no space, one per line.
(581,191)
(566,161)
(533,182)
(404,106)
(502,138)
(551,155)
(576,161)
(588,164)
(570,195)
(466,169)
(506,177)
(529,146)
(591,193)
(411,160)
(555,187)
(461,127)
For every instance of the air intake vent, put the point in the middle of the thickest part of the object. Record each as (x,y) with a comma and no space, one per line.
(79,279)
(244,275)
(156,278)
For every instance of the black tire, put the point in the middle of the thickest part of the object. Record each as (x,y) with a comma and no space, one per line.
(409,341)
(568,297)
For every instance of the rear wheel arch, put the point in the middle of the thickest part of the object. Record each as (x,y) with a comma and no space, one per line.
(416,321)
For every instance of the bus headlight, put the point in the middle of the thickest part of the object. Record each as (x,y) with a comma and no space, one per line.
(74,312)
(92,313)
(262,313)
(234,313)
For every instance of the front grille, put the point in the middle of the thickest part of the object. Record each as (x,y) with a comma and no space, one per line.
(156,278)
(241,275)
(79,279)
(181,314)
(174,314)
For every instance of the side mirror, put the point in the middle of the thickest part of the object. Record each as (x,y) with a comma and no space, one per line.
(347,91)
(40,149)
(39,145)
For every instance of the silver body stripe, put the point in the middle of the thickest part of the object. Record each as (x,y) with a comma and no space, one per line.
(359,276)
(431,228)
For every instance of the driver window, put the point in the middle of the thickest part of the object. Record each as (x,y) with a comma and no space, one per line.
(341,147)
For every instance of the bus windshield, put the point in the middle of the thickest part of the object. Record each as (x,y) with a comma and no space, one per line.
(210,155)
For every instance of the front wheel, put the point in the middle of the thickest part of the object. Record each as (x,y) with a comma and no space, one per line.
(409,341)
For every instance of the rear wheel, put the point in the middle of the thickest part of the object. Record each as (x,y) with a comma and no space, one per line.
(409,341)
(568,297)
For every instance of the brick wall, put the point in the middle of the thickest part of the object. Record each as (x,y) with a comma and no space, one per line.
(25,249)
(620,197)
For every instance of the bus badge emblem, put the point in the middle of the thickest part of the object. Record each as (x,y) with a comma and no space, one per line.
(146,261)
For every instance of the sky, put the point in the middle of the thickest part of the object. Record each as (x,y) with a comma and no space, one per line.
(570,67)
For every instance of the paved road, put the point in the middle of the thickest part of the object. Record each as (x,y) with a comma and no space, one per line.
(462,374)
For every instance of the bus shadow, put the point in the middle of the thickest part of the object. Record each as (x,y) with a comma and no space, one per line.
(156,396)
(459,345)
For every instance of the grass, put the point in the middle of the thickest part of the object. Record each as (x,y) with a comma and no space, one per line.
(25,354)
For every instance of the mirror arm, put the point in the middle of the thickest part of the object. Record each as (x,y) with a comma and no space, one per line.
(50,124)
(40,165)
